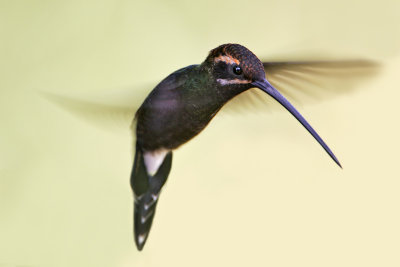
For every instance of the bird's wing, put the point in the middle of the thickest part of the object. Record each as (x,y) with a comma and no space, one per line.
(304,82)
(111,109)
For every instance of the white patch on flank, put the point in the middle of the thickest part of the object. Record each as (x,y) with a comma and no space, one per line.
(154,159)
(141,238)
(234,81)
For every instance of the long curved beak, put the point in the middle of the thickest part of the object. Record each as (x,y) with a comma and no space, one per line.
(269,89)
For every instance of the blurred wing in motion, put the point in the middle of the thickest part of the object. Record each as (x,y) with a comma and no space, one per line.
(304,82)
(113,110)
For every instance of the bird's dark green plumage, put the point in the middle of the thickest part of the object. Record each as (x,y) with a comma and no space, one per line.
(179,108)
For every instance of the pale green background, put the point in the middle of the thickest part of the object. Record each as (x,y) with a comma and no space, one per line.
(252,190)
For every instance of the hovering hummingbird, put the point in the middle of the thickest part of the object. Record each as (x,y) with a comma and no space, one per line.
(180,107)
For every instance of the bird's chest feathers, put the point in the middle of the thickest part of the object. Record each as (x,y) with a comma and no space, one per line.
(189,109)
(200,101)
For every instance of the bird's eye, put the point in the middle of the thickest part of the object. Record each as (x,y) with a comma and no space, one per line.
(237,70)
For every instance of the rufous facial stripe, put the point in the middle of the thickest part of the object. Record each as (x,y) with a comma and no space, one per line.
(227,59)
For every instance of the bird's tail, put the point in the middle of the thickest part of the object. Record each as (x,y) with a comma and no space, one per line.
(146,189)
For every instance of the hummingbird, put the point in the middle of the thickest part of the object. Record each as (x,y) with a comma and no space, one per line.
(180,107)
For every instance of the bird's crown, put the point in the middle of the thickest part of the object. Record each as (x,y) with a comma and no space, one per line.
(238,56)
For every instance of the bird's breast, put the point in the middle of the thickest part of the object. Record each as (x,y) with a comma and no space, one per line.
(173,123)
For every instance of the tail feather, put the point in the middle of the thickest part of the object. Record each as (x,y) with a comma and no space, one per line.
(146,189)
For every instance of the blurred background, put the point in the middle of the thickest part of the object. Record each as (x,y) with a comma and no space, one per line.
(252,189)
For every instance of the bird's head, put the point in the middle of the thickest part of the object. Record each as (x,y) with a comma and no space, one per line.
(235,69)
(233,66)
